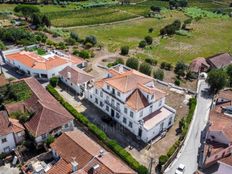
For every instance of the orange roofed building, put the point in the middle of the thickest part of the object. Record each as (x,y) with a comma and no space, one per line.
(42,67)
(77,153)
(130,98)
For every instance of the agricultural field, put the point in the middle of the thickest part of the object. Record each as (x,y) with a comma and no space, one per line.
(206,37)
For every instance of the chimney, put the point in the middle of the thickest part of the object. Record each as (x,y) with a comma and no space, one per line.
(74,165)
(101,153)
(120,69)
(69,75)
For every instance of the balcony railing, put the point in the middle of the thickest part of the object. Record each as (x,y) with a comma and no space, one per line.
(112,105)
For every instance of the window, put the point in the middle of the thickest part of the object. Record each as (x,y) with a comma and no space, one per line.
(118,94)
(150,109)
(130,124)
(66,125)
(96,91)
(160,102)
(170,121)
(71,84)
(112,102)
(108,87)
(4,140)
(6,149)
(107,108)
(124,120)
(141,113)
(118,105)
(131,114)
(125,110)
(117,115)
(90,96)
(96,100)
(101,94)
(53,75)
(107,99)
(101,104)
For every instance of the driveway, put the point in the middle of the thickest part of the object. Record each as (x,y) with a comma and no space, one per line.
(188,155)
(6,169)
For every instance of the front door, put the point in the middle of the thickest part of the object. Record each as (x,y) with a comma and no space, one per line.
(112,113)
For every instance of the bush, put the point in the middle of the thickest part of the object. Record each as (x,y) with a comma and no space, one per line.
(155,9)
(158,74)
(85,54)
(2,46)
(163,159)
(50,140)
(145,68)
(61,45)
(171,29)
(116,62)
(132,63)
(70,41)
(54,81)
(151,61)
(124,50)
(177,82)
(112,144)
(150,30)
(142,44)
(90,39)
(74,36)
(180,68)
(166,66)
(148,40)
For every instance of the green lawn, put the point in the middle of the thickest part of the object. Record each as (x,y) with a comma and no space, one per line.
(209,36)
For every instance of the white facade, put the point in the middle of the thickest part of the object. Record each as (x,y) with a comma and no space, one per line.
(113,102)
(7,143)
(42,138)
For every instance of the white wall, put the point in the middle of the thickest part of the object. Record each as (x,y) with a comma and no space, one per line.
(219,137)
(9,143)
(224,168)
(19,137)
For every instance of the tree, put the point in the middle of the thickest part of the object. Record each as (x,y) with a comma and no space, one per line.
(84,54)
(74,36)
(142,44)
(217,79)
(124,50)
(150,30)
(70,41)
(151,61)
(148,40)
(132,63)
(54,81)
(26,10)
(36,19)
(229,73)
(171,29)
(180,68)
(2,45)
(90,39)
(158,74)
(46,21)
(145,68)
(155,9)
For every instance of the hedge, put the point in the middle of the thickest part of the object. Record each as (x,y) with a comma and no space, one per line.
(112,144)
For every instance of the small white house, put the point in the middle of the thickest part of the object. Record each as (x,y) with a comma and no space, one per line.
(130,98)
(76,78)
(11,133)
(42,67)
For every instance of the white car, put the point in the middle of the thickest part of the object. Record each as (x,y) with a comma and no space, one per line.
(180,169)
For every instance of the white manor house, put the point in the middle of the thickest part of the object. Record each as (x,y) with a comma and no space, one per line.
(132,99)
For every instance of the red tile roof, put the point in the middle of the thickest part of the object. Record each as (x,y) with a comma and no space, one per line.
(220,60)
(48,114)
(32,60)
(196,64)
(78,76)
(76,145)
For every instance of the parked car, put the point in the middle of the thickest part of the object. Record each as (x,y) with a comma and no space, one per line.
(180,169)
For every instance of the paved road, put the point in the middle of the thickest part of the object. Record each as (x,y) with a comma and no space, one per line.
(189,152)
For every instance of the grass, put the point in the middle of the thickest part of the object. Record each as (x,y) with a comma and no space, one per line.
(207,38)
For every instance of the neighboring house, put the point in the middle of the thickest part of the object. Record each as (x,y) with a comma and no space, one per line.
(220,60)
(76,78)
(11,133)
(130,98)
(77,153)
(198,65)
(48,115)
(42,67)
(218,147)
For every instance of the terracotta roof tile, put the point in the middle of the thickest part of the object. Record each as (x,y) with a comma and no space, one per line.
(220,60)
(5,125)
(196,64)
(76,145)
(78,76)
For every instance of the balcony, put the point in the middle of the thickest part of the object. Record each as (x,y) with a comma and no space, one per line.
(113,106)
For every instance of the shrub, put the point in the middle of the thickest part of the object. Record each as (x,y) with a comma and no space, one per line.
(124,50)
(177,82)
(90,39)
(142,44)
(116,62)
(158,74)
(70,41)
(132,63)
(145,68)
(150,30)
(148,40)
(61,45)
(74,36)
(166,66)
(163,159)
(171,29)
(2,46)
(155,9)
(84,54)
(180,68)
(151,61)
(54,81)
(50,140)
